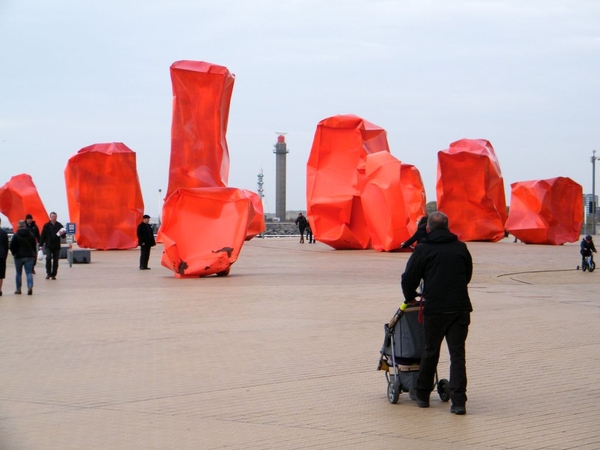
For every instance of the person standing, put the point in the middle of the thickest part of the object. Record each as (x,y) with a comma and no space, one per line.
(50,237)
(445,266)
(32,226)
(145,235)
(3,255)
(22,247)
(302,224)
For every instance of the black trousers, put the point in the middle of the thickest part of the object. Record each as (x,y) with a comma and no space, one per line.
(52,256)
(454,327)
(144,256)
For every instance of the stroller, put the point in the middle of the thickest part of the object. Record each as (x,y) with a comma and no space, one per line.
(401,354)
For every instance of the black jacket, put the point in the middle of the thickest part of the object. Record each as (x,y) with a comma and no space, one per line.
(34,230)
(3,244)
(49,237)
(145,234)
(22,244)
(587,247)
(445,265)
(301,222)
(419,234)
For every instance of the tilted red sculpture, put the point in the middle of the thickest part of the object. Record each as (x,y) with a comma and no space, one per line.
(104,196)
(203,230)
(200,213)
(546,211)
(19,197)
(335,179)
(470,190)
(201,97)
(383,202)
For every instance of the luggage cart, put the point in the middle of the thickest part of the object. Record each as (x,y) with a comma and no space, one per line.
(401,354)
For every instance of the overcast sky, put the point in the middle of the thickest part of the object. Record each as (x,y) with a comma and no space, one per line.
(524,75)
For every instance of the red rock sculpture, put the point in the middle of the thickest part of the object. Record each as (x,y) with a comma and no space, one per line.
(413,190)
(336,179)
(19,197)
(546,211)
(201,97)
(104,196)
(470,190)
(257,225)
(383,202)
(203,230)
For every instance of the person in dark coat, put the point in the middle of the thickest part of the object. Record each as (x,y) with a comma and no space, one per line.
(3,255)
(445,266)
(50,240)
(586,248)
(32,226)
(302,224)
(22,247)
(145,235)
(419,234)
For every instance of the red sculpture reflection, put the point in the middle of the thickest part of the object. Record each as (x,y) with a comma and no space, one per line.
(336,178)
(201,97)
(104,196)
(19,197)
(470,190)
(203,230)
(546,211)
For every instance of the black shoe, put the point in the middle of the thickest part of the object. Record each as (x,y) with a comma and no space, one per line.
(54,278)
(422,403)
(47,277)
(18,292)
(30,291)
(458,410)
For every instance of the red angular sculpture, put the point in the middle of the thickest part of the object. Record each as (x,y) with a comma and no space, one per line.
(414,195)
(203,230)
(104,196)
(201,97)
(470,190)
(257,225)
(19,197)
(335,179)
(546,211)
(383,202)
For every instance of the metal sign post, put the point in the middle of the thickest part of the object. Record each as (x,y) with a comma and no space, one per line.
(71,228)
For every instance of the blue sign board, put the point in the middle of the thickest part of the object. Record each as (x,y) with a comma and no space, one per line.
(71,227)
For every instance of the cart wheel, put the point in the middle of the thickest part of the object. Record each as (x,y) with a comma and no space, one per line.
(393,392)
(592,266)
(443,389)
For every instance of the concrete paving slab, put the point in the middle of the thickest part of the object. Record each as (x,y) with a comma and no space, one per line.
(283,354)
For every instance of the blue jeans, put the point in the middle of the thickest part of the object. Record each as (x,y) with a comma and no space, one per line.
(28,264)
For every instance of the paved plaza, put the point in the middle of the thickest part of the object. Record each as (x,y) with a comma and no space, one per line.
(282,354)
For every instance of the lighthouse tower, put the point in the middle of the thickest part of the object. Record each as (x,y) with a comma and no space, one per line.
(281,152)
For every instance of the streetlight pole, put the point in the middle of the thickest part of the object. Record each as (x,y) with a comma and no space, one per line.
(593,208)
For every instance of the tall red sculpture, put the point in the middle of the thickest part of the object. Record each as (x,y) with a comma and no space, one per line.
(470,190)
(335,179)
(203,230)
(19,197)
(201,97)
(104,196)
(383,202)
(414,195)
(546,211)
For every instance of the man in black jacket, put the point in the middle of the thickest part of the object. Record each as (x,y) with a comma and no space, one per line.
(32,226)
(52,232)
(145,235)
(3,255)
(445,266)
